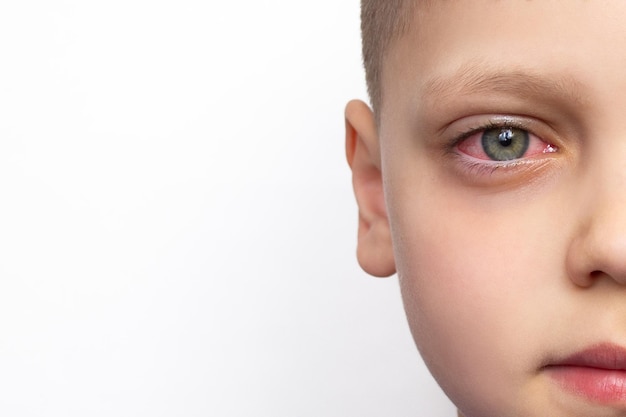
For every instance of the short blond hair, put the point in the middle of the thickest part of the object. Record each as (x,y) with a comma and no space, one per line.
(382,22)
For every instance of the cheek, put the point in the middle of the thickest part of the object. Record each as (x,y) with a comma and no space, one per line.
(453,278)
(471,278)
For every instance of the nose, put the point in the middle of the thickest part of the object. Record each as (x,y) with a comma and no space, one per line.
(598,249)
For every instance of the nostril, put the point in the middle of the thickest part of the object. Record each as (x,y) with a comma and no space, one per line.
(593,277)
(596,274)
(598,254)
(618,276)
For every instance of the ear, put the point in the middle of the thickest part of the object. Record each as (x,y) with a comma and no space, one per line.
(374,249)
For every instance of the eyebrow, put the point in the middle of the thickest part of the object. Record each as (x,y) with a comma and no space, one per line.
(476,79)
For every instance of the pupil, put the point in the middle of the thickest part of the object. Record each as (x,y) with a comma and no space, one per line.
(505,138)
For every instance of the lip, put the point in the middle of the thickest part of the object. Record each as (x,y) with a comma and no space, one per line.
(597,373)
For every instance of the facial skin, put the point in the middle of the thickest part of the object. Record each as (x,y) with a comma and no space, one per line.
(505,267)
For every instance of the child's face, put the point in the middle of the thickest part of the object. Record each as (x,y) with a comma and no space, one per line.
(503,158)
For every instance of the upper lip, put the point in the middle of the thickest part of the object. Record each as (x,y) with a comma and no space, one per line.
(603,356)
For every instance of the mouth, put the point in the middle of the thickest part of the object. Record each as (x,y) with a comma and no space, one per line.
(597,373)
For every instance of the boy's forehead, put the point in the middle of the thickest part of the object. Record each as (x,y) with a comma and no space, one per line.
(435,26)
(496,43)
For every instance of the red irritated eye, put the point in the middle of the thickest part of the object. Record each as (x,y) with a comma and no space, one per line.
(503,144)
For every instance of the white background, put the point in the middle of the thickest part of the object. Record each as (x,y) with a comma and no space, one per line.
(177,227)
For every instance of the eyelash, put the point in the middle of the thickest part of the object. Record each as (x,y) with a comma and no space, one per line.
(484,168)
(487,126)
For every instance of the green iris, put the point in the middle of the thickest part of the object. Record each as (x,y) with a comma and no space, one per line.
(505,144)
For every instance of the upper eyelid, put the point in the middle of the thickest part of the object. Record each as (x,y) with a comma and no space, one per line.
(461,129)
(473,131)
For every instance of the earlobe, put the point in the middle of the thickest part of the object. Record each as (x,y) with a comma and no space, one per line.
(374,249)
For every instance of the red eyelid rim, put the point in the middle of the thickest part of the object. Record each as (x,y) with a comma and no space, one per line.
(472,146)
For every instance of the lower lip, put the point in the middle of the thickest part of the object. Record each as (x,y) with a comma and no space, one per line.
(600,385)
